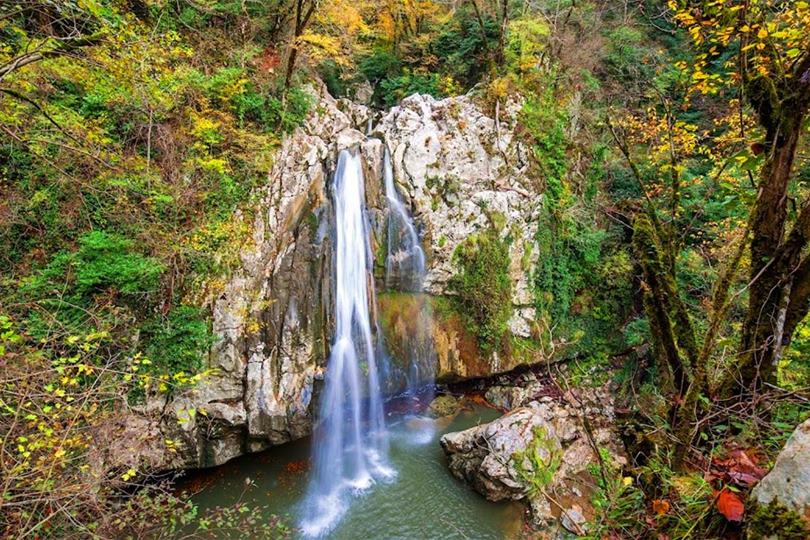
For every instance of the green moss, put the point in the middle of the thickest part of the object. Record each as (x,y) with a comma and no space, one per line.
(526,350)
(483,287)
(776,521)
(538,462)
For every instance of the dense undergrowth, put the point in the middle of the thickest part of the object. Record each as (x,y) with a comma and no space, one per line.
(133,134)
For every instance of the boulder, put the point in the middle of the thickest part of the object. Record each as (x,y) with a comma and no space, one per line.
(444,406)
(539,452)
(788,483)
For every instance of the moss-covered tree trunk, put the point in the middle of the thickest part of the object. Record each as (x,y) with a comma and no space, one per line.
(779,288)
(673,338)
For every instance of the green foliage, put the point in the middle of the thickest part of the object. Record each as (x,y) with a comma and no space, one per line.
(395,88)
(177,342)
(103,263)
(525,42)
(545,122)
(446,56)
(156,513)
(333,77)
(462,47)
(776,521)
(625,53)
(289,113)
(380,64)
(618,502)
(107,260)
(483,287)
(637,332)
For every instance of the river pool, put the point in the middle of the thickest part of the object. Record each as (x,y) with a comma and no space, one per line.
(424,501)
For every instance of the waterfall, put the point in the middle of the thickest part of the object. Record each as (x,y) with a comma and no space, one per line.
(405,263)
(350,440)
(405,271)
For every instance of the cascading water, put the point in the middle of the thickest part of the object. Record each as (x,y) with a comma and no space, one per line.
(350,440)
(405,263)
(405,272)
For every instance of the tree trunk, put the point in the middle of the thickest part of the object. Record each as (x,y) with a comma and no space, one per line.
(773,261)
(673,337)
(301,21)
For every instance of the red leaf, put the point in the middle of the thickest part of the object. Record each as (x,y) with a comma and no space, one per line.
(730,505)
(739,469)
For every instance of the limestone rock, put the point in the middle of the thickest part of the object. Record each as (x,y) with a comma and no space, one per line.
(789,480)
(131,441)
(444,406)
(539,452)
(508,397)
(459,169)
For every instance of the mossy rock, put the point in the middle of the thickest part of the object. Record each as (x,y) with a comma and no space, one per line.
(776,521)
(444,406)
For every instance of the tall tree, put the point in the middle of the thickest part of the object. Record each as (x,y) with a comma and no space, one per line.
(772,72)
(304,9)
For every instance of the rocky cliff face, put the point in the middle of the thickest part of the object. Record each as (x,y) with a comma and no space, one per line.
(458,170)
(462,170)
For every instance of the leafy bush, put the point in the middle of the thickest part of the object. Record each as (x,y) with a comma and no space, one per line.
(179,341)
(108,260)
(483,287)
(332,75)
(290,113)
(625,56)
(102,261)
(525,41)
(66,287)
(394,89)
(462,48)
(379,65)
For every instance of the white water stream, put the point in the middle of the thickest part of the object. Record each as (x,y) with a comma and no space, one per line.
(405,263)
(350,440)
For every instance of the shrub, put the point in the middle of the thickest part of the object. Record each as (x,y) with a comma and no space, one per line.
(483,287)
(379,65)
(287,114)
(463,49)
(394,89)
(177,342)
(108,260)
(625,57)
(102,261)
(525,42)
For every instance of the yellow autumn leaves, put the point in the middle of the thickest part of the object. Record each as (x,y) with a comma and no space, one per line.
(772,37)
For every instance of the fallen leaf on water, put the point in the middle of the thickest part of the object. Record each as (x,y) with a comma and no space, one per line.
(730,505)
